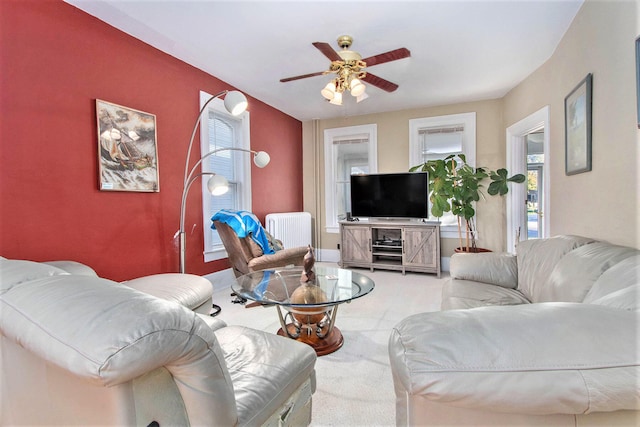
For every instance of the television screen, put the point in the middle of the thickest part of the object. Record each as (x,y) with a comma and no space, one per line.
(391,195)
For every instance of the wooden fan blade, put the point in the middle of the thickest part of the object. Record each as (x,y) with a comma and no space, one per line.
(304,76)
(327,51)
(392,55)
(380,82)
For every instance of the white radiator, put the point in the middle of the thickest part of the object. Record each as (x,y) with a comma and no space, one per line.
(292,228)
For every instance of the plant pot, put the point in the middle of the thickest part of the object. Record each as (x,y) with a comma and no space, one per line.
(459,250)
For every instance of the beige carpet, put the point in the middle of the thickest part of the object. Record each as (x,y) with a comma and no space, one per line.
(354,384)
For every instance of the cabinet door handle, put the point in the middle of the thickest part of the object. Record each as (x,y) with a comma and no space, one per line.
(402,243)
(370,246)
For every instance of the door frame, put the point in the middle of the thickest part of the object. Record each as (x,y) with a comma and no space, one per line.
(517,163)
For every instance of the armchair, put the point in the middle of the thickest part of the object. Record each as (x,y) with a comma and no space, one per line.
(246,256)
(76,349)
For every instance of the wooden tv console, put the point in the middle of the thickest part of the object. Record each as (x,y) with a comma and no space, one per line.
(391,245)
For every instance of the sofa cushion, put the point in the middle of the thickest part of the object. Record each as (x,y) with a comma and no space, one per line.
(14,272)
(460,294)
(263,380)
(493,268)
(538,257)
(526,359)
(619,286)
(577,271)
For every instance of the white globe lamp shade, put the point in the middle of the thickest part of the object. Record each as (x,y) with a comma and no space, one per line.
(235,102)
(261,159)
(357,88)
(218,185)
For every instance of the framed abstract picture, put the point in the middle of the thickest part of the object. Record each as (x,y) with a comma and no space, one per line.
(577,127)
(127,149)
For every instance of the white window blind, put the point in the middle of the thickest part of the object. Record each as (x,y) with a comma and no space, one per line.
(222,134)
(440,142)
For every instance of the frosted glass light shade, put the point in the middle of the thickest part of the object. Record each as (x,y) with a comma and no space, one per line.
(329,91)
(362,97)
(357,87)
(235,102)
(261,159)
(337,99)
(218,185)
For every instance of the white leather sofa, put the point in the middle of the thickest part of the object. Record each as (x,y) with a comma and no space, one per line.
(549,336)
(76,349)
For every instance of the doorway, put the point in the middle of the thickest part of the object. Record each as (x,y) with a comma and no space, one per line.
(528,205)
(535,184)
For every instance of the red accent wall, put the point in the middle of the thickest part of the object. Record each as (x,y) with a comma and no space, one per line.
(55,62)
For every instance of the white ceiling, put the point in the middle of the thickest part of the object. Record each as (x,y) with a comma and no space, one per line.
(460,50)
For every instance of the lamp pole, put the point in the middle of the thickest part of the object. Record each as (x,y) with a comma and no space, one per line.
(235,103)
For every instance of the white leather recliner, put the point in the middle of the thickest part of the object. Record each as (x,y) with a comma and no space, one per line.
(81,350)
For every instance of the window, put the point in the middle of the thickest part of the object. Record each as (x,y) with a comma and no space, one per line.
(347,151)
(434,138)
(219,129)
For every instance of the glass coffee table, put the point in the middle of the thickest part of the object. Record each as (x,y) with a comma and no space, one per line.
(307,311)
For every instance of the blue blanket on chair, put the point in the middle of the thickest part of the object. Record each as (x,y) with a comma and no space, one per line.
(244,224)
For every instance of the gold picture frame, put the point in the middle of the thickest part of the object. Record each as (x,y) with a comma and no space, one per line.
(127,149)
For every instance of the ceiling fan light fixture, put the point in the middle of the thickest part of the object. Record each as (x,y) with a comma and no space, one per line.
(348,65)
(329,91)
(337,99)
(357,87)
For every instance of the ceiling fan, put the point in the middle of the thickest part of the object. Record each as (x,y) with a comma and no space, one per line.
(350,69)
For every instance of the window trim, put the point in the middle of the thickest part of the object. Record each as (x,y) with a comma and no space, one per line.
(242,161)
(331,222)
(468,120)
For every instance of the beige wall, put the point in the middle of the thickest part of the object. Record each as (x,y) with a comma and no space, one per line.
(602,203)
(393,156)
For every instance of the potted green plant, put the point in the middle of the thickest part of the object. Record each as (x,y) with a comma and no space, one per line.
(454,186)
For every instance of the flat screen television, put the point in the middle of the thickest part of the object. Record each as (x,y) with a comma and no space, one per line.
(390,195)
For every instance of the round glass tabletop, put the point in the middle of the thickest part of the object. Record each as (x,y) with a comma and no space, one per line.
(276,286)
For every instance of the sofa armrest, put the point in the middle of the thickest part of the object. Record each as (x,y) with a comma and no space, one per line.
(494,268)
(281,258)
(551,358)
(188,290)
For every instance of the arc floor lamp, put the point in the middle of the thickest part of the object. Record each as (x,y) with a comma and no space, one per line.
(235,103)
